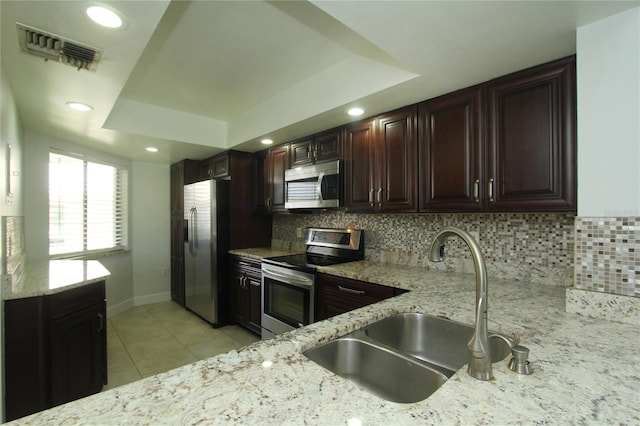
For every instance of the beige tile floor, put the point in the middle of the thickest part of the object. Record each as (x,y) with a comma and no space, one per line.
(151,339)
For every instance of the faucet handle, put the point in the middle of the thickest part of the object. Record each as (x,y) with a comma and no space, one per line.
(519,362)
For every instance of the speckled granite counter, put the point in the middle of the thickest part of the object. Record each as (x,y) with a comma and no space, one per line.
(585,370)
(49,277)
(261,252)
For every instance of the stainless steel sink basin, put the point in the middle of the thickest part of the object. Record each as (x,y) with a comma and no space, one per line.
(436,340)
(403,358)
(382,372)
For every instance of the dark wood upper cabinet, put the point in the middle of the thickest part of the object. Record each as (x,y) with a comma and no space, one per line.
(301,152)
(381,163)
(261,182)
(360,166)
(531,139)
(318,148)
(450,152)
(328,146)
(268,179)
(397,161)
(216,167)
(277,164)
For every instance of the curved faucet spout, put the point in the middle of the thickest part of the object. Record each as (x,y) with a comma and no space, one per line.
(479,355)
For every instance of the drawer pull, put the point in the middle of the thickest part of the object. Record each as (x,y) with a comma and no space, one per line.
(245,264)
(350,290)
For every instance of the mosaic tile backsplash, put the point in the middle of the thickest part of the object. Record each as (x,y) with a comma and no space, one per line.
(608,255)
(533,247)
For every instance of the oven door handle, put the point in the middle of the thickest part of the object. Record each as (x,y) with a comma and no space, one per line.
(289,279)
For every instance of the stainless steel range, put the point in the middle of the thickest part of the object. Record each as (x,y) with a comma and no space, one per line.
(288,282)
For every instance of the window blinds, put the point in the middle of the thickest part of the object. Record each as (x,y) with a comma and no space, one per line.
(87,206)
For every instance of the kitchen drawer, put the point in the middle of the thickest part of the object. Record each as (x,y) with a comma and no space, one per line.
(248,266)
(355,287)
(336,295)
(69,301)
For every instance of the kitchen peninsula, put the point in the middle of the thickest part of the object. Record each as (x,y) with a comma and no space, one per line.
(584,369)
(55,334)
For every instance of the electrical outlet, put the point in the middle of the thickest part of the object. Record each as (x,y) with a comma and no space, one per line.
(165,271)
(299,232)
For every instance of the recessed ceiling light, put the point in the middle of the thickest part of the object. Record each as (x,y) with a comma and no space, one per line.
(151,149)
(105,16)
(266,141)
(79,106)
(355,111)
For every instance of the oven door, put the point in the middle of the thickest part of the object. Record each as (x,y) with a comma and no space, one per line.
(287,299)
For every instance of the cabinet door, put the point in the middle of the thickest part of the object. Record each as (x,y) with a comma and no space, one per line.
(397,151)
(260,164)
(77,354)
(531,136)
(177,189)
(238,297)
(449,143)
(278,163)
(301,152)
(177,260)
(328,146)
(360,167)
(216,167)
(254,306)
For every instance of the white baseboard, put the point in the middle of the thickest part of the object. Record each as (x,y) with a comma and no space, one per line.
(151,298)
(118,308)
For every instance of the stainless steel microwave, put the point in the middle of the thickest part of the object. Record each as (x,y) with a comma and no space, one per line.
(315,186)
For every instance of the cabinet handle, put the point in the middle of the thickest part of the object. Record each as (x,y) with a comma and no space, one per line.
(101,327)
(380,196)
(491,190)
(371,197)
(309,152)
(267,202)
(476,191)
(350,290)
(315,154)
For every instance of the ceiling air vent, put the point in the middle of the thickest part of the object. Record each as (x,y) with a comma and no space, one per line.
(56,48)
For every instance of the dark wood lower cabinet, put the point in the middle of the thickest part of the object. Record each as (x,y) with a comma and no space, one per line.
(336,295)
(246,293)
(56,349)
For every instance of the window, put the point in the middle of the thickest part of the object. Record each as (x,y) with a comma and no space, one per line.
(87,206)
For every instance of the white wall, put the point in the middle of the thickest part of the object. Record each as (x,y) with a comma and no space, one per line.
(151,233)
(608,76)
(36,208)
(10,205)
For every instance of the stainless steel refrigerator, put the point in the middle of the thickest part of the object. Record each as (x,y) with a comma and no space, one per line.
(206,243)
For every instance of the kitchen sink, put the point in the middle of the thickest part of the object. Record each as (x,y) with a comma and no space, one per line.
(384,373)
(436,340)
(403,358)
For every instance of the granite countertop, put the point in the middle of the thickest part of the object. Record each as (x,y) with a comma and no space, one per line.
(584,369)
(262,252)
(54,276)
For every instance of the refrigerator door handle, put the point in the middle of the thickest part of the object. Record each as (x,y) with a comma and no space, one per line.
(194,235)
(191,229)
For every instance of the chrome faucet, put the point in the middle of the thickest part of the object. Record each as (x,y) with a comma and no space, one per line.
(479,354)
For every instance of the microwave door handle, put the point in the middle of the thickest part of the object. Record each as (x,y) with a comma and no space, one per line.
(319,187)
